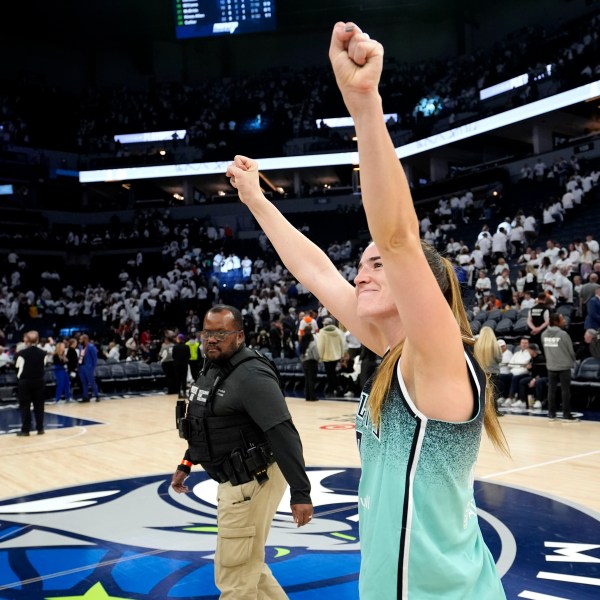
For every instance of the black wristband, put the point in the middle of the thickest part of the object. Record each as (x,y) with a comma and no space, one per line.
(185,469)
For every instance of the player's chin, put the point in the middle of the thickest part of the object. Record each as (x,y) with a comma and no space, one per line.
(364,310)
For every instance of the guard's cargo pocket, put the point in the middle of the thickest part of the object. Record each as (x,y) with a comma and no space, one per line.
(235,545)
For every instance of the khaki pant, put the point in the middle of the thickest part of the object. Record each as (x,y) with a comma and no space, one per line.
(244,516)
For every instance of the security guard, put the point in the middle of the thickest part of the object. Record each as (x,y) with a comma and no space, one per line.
(194,344)
(239,429)
(538,318)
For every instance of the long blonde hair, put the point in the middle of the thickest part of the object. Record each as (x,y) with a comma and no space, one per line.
(60,351)
(486,348)
(446,277)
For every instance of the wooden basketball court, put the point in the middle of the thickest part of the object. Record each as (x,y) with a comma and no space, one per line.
(135,437)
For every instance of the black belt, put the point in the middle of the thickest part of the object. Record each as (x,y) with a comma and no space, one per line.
(221,476)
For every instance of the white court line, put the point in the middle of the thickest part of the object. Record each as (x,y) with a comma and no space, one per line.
(82,431)
(543,464)
(49,440)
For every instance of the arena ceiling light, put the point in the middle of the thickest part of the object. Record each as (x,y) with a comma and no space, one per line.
(151,136)
(515,115)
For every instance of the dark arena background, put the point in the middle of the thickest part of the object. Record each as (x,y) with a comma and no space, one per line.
(117,123)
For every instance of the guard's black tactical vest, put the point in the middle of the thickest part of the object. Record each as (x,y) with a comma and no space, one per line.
(212,439)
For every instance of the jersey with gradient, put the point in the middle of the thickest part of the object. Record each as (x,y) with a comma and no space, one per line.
(419,532)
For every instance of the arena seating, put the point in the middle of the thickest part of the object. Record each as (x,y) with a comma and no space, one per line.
(292,377)
(587,379)
(111,377)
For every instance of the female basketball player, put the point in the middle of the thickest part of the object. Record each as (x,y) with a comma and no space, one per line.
(419,428)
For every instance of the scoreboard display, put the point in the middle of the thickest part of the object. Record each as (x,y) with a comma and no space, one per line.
(209,18)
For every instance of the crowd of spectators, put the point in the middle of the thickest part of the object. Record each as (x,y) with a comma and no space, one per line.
(523,259)
(511,263)
(261,112)
(197,266)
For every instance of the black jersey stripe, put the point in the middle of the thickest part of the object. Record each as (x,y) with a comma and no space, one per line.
(408,484)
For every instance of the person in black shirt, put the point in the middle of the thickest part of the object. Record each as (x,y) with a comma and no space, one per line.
(238,418)
(73,364)
(538,318)
(31,386)
(275,338)
(535,383)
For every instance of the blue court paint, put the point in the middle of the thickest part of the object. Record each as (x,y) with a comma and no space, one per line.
(134,539)
(10,421)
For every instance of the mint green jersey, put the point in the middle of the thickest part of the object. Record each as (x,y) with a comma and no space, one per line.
(419,533)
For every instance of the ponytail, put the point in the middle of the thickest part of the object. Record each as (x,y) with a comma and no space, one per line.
(445,275)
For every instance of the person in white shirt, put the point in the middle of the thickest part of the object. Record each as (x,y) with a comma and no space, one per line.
(526,173)
(518,368)
(483,286)
(453,247)
(455,208)
(551,251)
(558,212)
(563,260)
(502,264)
(246,267)
(425,224)
(504,370)
(485,232)
(572,183)
(505,226)
(528,301)
(517,238)
(593,246)
(499,241)
(464,257)
(567,201)
(563,286)
(466,202)
(5,359)
(485,245)
(549,279)
(430,236)
(477,257)
(520,283)
(530,228)
(573,256)
(504,287)
(114,352)
(548,221)
(539,169)
(586,261)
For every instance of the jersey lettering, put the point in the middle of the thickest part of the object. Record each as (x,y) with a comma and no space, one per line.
(363,416)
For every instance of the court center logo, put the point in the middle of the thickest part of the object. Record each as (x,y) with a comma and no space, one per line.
(137,540)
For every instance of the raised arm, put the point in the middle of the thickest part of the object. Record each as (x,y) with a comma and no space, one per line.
(426,316)
(304,259)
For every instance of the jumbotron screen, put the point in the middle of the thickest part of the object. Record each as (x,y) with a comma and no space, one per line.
(209,18)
